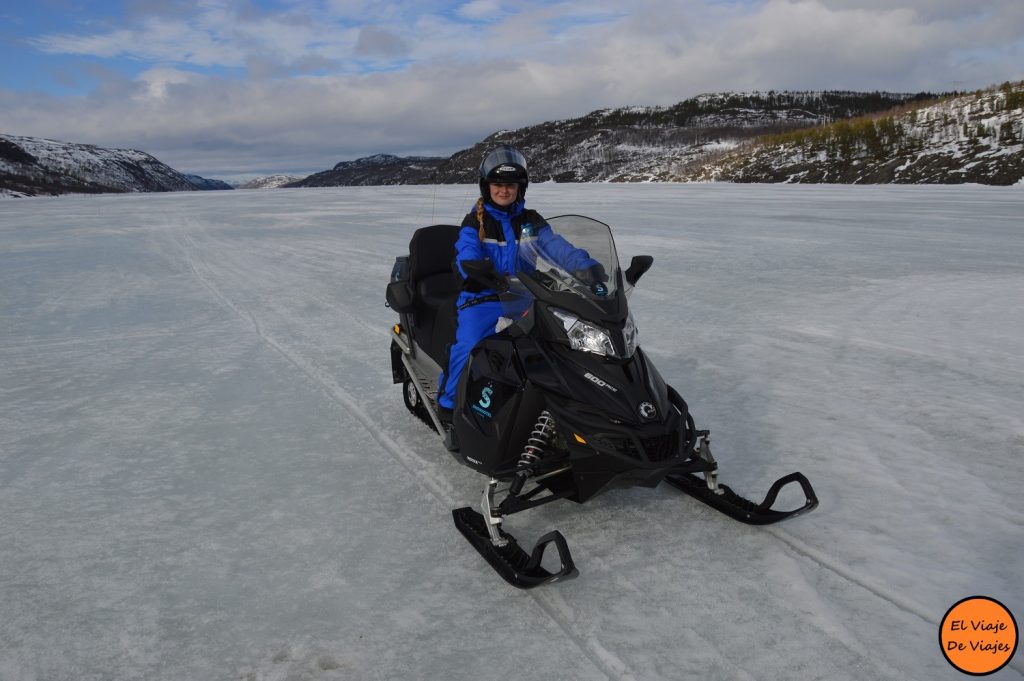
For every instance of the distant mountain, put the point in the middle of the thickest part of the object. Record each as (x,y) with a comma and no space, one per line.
(976,138)
(269,182)
(206,184)
(30,166)
(651,144)
(833,136)
(633,144)
(375,170)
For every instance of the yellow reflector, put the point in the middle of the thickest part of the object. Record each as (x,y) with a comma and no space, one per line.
(579,439)
(398,329)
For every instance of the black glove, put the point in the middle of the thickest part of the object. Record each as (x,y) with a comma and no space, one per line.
(592,275)
(481,275)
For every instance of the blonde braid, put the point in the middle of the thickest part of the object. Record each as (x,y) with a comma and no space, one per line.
(480,216)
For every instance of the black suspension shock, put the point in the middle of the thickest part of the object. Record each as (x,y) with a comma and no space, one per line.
(536,444)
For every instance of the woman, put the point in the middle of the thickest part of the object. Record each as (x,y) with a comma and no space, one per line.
(490,235)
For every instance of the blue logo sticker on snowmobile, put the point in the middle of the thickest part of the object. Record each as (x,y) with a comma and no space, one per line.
(485,402)
(600,289)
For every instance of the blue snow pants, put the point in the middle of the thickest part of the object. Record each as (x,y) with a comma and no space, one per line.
(472,325)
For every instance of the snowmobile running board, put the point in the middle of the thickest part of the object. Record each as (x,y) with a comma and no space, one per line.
(736,507)
(510,561)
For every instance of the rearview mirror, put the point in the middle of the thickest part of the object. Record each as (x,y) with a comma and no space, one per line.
(637,267)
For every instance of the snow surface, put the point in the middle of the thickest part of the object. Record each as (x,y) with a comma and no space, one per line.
(206,472)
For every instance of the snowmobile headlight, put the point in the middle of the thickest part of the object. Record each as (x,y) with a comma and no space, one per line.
(630,335)
(585,336)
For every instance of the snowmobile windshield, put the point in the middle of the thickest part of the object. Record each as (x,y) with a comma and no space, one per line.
(573,254)
(570,265)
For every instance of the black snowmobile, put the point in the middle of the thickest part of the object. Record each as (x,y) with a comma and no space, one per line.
(560,403)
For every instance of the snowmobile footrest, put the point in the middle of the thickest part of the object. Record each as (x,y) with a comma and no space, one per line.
(516,567)
(744,510)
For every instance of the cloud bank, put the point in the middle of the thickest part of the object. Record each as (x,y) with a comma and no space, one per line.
(225,87)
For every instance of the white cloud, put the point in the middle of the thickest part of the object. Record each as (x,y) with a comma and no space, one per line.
(378,42)
(543,61)
(157,81)
(481,10)
(215,36)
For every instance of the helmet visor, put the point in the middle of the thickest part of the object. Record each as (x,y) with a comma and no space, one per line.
(504,164)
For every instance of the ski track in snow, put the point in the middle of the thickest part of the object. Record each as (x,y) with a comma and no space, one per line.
(233,277)
(206,275)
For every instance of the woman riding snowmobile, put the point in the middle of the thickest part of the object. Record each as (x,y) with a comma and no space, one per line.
(490,237)
(553,397)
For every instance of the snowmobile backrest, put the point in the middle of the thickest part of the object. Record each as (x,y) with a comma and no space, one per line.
(431,253)
(435,286)
(432,250)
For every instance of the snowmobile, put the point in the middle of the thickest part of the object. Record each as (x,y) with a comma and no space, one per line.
(560,403)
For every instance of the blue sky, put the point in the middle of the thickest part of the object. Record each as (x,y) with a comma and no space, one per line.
(241,87)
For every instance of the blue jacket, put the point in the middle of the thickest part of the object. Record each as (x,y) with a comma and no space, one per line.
(502,232)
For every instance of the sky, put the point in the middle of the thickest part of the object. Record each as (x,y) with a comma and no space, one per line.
(229,88)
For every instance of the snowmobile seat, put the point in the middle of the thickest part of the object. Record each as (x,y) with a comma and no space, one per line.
(436,286)
(438,289)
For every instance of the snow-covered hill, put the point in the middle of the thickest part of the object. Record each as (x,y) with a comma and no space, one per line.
(207,184)
(652,144)
(268,182)
(31,166)
(977,138)
(630,144)
(740,137)
(379,169)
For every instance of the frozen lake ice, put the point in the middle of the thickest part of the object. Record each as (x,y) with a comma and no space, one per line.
(206,472)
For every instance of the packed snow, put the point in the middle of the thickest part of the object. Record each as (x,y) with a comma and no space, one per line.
(207,473)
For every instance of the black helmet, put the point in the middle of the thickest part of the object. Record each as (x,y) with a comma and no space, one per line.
(504,164)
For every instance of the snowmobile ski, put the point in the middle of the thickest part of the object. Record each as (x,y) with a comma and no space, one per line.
(724,499)
(515,566)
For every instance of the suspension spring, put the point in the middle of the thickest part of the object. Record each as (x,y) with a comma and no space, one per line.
(542,433)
